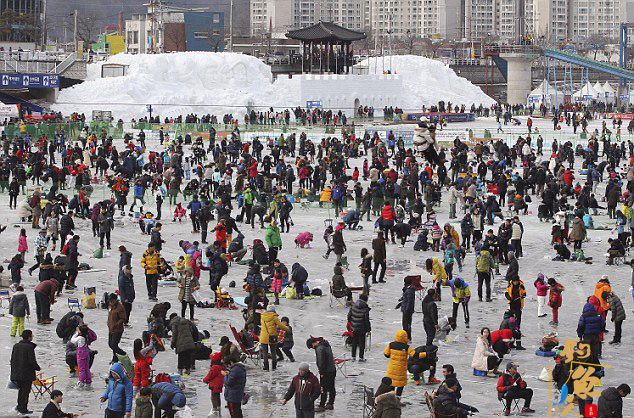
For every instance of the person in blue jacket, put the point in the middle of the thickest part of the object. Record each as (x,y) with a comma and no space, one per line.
(194,206)
(165,396)
(118,393)
(235,381)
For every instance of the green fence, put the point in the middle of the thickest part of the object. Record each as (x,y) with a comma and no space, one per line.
(71,129)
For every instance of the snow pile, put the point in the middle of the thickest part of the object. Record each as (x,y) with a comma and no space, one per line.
(427,81)
(217,80)
(220,83)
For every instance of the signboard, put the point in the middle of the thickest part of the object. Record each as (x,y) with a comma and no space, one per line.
(310,104)
(534,99)
(29,81)
(623,116)
(624,96)
(587,97)
(408,135)
(148,108)
(9,111)
(448,117)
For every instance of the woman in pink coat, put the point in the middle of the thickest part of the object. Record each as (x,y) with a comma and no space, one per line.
(542,291)
(23,247)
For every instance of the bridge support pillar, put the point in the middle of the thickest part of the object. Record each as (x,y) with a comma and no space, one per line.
(519,77)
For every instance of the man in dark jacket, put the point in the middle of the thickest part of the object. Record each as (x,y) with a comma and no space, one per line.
(66,227)
(306,389)
(511,386)
(359,319)
(23,368)
(338,244)
(430,316)
(618,314)
(407,305)
(235,381)
(513,270)
(327,371)
(589,328)
(611,401)
(116,321)
(125,257)
(299,276)
(379,256)
(446,402)
(155,237)
(204,216)
(54,409)
(72,262)
(126,290)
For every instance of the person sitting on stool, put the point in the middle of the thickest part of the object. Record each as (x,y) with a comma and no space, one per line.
(512,386)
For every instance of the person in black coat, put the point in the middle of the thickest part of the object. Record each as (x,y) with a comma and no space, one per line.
(125,257)
(430,315)
(359,319)
(406,303)
(23,368)
(611,401)
(126,290)
(53,409)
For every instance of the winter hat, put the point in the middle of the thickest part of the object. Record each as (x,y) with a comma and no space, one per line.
(511,365)
(540,276)
(304,366)
(216,357)
(224,340)
(309,342)
(270,308)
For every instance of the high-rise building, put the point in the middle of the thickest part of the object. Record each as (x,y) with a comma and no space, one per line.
(480,19)
(443,19)
(595,17)
(279,16)
(399,19)
(551,21)
(21,21)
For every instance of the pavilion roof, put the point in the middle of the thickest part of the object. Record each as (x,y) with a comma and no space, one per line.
(325,32)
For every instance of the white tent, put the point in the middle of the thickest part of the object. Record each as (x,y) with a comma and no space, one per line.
(585,93)
(600,92)
(544,94)
(610,93)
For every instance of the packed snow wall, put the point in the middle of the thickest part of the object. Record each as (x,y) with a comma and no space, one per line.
(220,83)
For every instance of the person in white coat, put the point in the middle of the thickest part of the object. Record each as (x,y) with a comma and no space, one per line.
(484,358)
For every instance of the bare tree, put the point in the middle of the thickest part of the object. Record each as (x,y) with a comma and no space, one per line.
(88,26)
(433,45)
(9,20)
(596,43)
(174,34)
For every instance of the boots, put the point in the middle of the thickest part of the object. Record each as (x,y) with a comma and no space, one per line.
(518,345)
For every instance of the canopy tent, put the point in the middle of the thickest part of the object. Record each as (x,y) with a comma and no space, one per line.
(600,92)
(544,94)
(585,93)
(610,93)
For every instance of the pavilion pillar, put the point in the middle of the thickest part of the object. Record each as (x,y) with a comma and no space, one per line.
(328,47)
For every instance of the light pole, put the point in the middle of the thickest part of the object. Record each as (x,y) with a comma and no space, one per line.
(75,30)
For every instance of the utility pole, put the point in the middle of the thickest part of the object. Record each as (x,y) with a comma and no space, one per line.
(44,28)
(152,27)
(75,30)
(231,26)
(160,27)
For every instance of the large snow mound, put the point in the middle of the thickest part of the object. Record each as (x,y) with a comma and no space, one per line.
(426,81)
(219,83)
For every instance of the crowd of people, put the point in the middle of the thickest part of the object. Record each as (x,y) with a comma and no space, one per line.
(222,187)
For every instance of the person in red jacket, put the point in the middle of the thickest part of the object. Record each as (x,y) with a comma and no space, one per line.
(512,386)
(215,380)
(387,221)
(501,341)
(221,234)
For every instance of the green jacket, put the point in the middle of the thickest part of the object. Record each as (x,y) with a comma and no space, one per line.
(272,237)
(484,262)
(248,196)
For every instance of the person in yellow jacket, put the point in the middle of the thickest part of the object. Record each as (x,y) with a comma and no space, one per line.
(324,196)
(150,261)
(436,269)
(270,324)
(398,351)
(515,294)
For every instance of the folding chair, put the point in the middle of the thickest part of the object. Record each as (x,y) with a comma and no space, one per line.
(252,354)
(420,290)
(430,405)
(42,386)
(337,296)
(515,404)
(368,402)
(74,303)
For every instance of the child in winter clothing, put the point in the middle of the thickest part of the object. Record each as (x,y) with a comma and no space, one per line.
(286,337)
(23,246)
(215,380)
(436,235)
(276,284)
(180,266)
(555,299)
(15,267)
(143,404)
(19,308)
(542,290)
(179,212)
(81,340)
(143,360)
